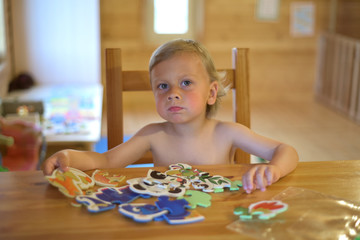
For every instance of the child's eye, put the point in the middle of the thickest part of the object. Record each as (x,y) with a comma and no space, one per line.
(162,86)
(186,83)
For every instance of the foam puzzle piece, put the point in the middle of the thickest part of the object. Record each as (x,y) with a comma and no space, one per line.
(235,185)
(172,180)
(94,204)
(105,179)
(177,211)
(176,208)
(193,217)
(268,209)
(71,183)
(197,198)
(208,183)
(263,210)
(105,198)
(186,171)
(155,188)
(203,180)
(142,212)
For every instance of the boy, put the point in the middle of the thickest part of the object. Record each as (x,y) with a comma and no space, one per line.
(187,89)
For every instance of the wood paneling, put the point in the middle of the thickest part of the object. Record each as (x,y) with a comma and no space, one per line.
(227,24)
(348,18)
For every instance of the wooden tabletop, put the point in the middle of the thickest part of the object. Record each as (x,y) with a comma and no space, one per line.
(30,208)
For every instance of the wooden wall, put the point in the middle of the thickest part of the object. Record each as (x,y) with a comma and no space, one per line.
(348,18)
(278,61)
(5,61)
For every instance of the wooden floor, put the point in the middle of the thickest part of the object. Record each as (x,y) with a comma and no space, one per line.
(317,132)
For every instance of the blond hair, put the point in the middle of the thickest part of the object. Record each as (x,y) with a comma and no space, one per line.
(169,49)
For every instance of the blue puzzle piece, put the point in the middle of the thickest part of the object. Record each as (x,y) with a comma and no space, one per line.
(94,204)
(118,195)
(142,212)
(176,208)
(106,198)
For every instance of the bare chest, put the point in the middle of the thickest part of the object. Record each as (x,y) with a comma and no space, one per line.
(194,151)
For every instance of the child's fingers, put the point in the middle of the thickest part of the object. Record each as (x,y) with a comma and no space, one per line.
(260,178)
(64,166)
(56,161)
(269,176)
(248,180)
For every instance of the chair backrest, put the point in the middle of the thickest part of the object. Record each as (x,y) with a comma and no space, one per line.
(118,81)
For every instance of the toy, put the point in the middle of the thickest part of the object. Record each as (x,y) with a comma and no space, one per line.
(142,212)
(71,183)
(103,178)
(174,212)
(177,212)
(202,180)
(155,188)
(105,198)
(263,210)
(197,198)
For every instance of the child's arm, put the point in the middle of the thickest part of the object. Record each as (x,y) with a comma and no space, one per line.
(283,161)
(283,158)
(120,156)
(83,160)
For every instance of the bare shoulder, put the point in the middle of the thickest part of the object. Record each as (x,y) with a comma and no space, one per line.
(231,127)
(151,129)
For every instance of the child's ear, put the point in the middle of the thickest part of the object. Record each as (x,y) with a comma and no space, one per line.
(213,93)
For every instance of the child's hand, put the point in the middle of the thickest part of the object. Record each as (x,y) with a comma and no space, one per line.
(58,160)
(260,176)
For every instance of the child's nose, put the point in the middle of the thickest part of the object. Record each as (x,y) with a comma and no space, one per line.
(174,94)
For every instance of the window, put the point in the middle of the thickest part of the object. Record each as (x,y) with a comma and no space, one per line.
(2,31)
(171,16)
(170,19)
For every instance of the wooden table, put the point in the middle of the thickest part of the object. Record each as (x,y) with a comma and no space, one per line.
(30,208)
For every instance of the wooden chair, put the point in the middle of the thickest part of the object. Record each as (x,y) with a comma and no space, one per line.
(118,81)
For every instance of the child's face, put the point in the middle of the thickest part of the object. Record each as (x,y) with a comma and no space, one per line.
(182,88)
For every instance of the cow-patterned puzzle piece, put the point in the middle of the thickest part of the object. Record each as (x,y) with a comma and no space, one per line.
(155,188)
(105,198)
(179,166)
(185,171)
(209,183)
(72,182)
(106,179)
(171,180)
(197,198)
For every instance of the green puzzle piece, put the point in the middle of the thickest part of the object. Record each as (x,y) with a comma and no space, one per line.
(197,198)
(235,185)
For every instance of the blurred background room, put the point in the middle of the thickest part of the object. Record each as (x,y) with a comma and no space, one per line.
(304,66)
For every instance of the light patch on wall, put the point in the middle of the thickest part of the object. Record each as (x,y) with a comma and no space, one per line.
(267,10)
(302,19)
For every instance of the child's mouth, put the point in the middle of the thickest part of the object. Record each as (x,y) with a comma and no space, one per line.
(175,109)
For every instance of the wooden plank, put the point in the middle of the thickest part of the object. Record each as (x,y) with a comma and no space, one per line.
(355,82)
(241,97)
(114,98)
